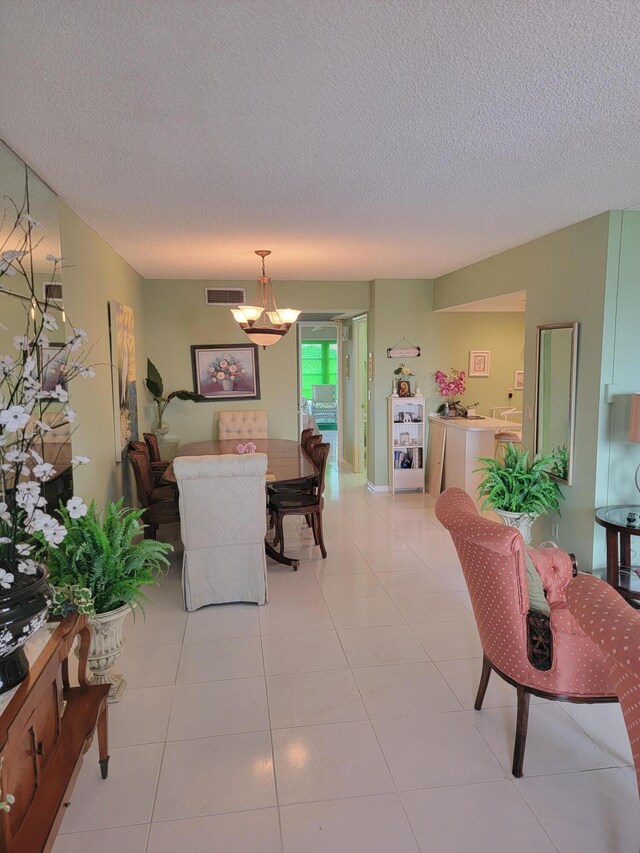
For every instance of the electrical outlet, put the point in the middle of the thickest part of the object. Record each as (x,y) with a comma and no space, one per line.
(529,413)
(555,530)
(510,393)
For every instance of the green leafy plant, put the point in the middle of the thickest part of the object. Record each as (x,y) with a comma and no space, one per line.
(513,484)
(156,388)
(102,555)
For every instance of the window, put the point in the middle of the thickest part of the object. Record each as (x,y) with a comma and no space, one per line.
(319,365)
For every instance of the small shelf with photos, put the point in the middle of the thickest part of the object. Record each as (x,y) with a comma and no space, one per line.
(406,443)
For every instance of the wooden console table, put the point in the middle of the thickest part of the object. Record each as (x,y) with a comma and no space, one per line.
(46,726)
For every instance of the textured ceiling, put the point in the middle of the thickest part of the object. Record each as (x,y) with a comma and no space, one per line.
(357,139)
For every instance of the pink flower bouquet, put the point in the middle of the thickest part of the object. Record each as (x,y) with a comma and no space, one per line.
(450,385)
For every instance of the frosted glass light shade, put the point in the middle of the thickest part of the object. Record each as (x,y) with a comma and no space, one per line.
(265,337)
(634,420)
(288,315)
(251,312)
(239,317)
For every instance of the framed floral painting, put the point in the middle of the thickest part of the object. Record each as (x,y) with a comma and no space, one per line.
(226,371)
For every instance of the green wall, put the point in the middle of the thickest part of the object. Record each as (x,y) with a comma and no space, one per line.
(565,276)
(176,317)
(94,275)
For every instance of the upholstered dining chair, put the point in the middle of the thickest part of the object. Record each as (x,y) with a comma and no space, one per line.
(223,526)
(614,625)
(159,504)
(539,654)
(309,504)
(242,424)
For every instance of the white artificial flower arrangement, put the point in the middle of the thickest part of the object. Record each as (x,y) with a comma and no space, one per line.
(24,402)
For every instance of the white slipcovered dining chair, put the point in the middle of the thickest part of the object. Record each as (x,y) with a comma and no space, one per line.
(223,525)
(242,424)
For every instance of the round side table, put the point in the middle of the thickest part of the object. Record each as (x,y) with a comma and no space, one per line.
(620,524)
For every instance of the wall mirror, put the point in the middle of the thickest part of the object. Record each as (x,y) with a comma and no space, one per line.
(557,351)
(20,187)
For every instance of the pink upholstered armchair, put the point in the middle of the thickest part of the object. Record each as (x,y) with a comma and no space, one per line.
(547,657)
(614,625)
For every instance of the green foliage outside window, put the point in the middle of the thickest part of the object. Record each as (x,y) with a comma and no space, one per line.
(319,365)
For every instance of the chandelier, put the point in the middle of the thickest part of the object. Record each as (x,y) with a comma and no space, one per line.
(265,323)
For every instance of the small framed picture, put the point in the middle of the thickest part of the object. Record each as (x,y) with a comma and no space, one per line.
(518,380)
(479,362)
(404,388)
(53,367)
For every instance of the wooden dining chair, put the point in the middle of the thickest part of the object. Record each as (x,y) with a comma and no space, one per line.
(300,503)
(159,503)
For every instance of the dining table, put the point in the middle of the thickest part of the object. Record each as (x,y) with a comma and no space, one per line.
(286,462)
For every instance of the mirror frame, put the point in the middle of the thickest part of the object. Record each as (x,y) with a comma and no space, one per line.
(572,394)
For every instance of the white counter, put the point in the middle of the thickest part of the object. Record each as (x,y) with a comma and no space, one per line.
(455,445)
(492,424)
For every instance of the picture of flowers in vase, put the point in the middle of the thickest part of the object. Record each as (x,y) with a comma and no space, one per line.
(226,372)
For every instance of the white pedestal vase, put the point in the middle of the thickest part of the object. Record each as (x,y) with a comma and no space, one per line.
(522,521)
(107,644)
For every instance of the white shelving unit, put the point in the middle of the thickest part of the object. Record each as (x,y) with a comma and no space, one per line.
(407,451)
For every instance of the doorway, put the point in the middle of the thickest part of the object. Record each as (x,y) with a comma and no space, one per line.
(360,393)
(319,381)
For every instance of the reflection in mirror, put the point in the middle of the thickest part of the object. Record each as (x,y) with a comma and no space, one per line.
(555,396)
(22,190)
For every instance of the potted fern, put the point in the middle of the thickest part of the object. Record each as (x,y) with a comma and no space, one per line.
(518,490)
(100,568)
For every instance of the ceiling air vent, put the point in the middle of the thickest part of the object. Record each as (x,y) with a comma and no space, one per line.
(224,296)
(52,291)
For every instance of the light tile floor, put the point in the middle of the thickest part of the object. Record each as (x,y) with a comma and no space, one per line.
(338,718)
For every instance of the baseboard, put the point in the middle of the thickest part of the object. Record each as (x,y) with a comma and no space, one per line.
(373,488)
(347,465)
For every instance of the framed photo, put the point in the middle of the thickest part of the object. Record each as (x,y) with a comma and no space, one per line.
(53,367)
(518,380)
(479,362)
(404,388)
(226,371)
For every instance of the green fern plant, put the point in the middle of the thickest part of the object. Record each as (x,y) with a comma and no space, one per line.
(103,554)
(513,484)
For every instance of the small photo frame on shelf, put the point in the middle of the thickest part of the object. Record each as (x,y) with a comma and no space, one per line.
(404,388)
(518,380)
(479,362)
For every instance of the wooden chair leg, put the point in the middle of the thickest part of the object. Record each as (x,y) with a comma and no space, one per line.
(103,742)
(280,533)
(484,681)
(314,528)
(318,520)
(521,731)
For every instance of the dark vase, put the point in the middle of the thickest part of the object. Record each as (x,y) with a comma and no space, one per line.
(23,611)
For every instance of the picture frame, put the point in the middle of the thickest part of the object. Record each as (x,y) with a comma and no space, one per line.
(404,388)
(226,371)
(518,380)
(53,367)
(123,376)
(479,362)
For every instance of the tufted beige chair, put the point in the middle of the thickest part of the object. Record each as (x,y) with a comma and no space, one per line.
(222,525)
(242,424)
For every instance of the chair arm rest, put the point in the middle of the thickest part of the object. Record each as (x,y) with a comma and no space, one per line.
(555,568)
